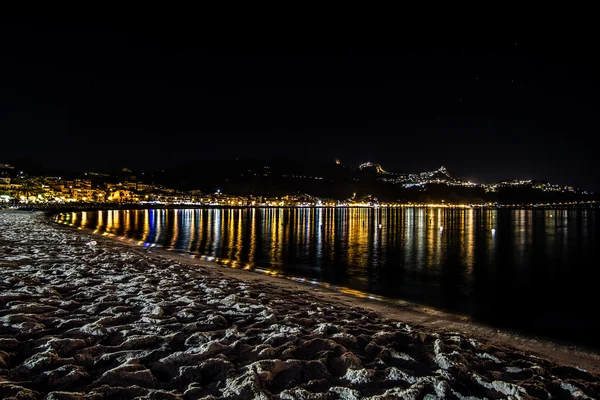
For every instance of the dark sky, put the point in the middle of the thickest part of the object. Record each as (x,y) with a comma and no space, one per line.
(138,93)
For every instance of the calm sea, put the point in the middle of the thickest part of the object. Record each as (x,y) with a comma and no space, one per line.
(530,270)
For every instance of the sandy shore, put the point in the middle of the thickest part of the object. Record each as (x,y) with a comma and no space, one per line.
(83,316)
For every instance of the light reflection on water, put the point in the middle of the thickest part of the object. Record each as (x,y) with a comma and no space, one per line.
(523,266)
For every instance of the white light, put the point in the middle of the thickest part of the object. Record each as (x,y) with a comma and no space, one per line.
(441,228)
(493,231)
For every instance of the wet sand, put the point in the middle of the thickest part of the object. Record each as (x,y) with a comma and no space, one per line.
(84,316)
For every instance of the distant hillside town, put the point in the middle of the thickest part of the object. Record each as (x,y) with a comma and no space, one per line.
(244,183)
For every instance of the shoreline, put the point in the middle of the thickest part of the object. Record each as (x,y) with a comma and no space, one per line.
(84,316)
(421,316)
(77,207)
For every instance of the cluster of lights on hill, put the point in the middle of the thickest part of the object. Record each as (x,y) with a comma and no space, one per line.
(370,184)
(443,176)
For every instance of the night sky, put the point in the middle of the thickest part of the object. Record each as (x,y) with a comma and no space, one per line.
(144,94)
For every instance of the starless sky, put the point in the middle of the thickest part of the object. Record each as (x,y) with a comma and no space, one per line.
(98,94)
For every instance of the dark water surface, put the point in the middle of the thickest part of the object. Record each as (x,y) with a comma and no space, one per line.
(532,270)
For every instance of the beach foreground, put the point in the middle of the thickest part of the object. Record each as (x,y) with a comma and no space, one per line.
(86,317)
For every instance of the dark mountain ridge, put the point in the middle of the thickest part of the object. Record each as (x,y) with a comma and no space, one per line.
(278,176)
